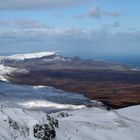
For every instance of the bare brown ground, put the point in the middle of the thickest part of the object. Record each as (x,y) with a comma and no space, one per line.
(116,89)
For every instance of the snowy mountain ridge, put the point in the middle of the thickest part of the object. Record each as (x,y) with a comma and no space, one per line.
(29,55)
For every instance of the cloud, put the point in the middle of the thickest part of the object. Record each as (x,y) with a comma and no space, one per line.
(111,26)
(97,12)
(131,28)
(116,24)
(70,39)
(41,34)
(69,35)
(112,14)
(26,30)
(36,4)
(20,23)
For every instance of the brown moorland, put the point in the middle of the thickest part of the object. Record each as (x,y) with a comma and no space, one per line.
(116,89)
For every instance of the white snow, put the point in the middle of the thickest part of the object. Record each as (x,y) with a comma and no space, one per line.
(29,56)
(44,98)
(4,70)
(24,119)
(97,124)
(48,104)
(84,124)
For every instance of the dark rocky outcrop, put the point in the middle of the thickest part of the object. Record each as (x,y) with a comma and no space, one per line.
(46,131)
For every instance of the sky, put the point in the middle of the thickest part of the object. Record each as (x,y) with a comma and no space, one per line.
(77,27)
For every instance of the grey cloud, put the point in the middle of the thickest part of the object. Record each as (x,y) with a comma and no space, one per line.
(97,12)
(129,36)
(58,16)
(36,4)
(116,24)
(80,16)
(42,34)
(131,28)
(66,34)
(111,26)
(112,14)
(20,23)
(70,39)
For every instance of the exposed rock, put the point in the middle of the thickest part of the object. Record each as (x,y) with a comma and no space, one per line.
(13,124)
(63,114)
(44,132)
(19,129)
(53,122)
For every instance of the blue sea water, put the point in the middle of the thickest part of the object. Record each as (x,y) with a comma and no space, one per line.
(5,54)
(133,61)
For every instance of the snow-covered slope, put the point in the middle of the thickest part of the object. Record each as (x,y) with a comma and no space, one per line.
(44,98)
(97,124)
(4,70)
(17,124)
(29,56)
(85,124)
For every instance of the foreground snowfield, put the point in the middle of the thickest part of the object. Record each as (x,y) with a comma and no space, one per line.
(97,124)
(84,124)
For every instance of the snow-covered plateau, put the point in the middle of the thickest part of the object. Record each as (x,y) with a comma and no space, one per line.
(44,56)
(46,113)
(29,55)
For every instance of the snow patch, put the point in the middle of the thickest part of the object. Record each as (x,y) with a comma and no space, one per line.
(4,70)
(47,104)
(29,56)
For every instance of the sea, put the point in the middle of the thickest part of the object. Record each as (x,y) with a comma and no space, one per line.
(133,60)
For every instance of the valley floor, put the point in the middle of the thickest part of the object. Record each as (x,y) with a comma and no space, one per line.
(117,89)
